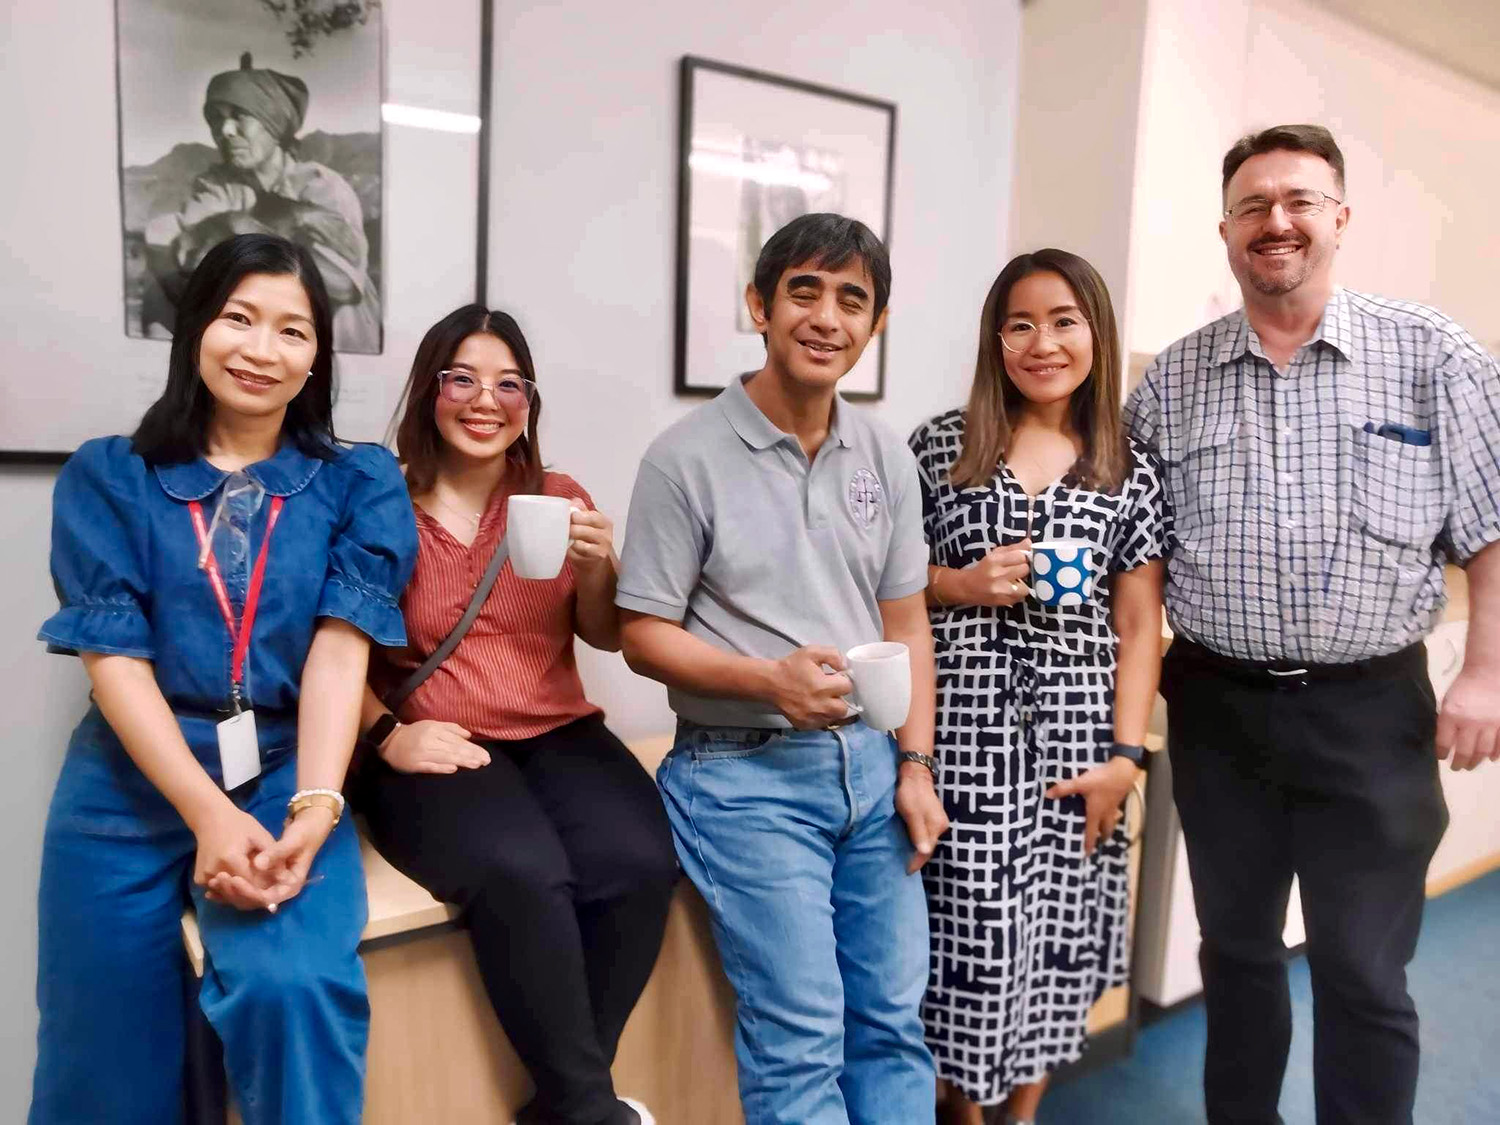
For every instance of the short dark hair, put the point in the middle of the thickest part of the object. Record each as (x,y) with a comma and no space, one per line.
(829,242)
(174,428)
(1285,138)
(418,442)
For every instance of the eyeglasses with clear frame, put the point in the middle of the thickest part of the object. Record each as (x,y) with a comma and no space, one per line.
(1020,336)
(1301,204)
(464,387)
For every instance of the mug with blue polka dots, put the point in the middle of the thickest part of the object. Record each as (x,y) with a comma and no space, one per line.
(1062,572)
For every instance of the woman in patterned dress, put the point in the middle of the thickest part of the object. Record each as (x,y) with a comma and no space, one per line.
(1041,709)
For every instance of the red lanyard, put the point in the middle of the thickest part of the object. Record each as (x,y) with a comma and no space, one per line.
(239,632)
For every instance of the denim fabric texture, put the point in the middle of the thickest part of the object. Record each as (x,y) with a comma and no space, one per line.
(284,991)
(793,840)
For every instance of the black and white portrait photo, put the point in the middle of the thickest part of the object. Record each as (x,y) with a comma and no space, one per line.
(755,151)
(251,115)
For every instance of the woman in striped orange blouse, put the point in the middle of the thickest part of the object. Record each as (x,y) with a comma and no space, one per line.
(497,785)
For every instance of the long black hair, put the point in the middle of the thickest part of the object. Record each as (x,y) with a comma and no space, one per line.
(418,443)
(174,428)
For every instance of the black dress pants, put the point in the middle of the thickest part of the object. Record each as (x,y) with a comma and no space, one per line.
(560,855)
(1330,776)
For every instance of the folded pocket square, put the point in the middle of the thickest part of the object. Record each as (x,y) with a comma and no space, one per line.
(1406,435)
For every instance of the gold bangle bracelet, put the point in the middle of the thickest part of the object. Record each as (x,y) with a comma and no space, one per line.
(937,596)
(314,800)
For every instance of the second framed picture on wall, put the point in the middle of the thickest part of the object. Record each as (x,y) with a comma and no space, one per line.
(756,151)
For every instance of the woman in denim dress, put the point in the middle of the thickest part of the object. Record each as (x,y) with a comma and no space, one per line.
(233,484)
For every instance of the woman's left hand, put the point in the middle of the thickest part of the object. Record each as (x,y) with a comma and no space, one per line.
(1103,789)
(290,857)
(592,536)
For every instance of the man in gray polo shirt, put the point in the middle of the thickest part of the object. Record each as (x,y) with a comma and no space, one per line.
(771,530)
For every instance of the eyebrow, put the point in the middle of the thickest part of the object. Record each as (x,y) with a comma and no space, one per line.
(1264,198)
(253,307)
(813,281)
(1022,314)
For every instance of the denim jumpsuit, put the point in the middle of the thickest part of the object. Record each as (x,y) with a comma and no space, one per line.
(284,991)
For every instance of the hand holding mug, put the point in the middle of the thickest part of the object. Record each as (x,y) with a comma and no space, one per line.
(998,579)
(808,695)
(591,539)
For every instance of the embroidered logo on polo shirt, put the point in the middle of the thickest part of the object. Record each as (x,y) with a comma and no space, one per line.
(865,496)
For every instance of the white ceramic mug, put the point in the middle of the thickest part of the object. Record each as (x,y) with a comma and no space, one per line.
(882,682)
(537,530)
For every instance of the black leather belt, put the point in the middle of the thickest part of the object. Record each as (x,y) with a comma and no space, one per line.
(1287,673)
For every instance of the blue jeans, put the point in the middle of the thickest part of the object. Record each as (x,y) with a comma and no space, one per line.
(284,991)
(793,841)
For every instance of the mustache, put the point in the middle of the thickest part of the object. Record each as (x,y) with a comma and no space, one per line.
(1277,240)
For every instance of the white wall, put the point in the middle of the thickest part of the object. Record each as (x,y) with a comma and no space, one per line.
(584,179)
(1192,108)
(41,697)
(584,210)
(1081,71)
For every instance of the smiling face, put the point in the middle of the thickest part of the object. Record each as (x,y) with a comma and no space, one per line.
(254,356)
(485,427)
(1280,253)
(819,322)
(1046,364)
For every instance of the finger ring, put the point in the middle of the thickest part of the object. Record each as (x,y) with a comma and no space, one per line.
(1015,587)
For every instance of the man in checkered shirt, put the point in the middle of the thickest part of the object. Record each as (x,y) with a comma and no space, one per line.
(1326,452)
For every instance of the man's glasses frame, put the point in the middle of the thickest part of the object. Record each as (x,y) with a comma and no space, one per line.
(1303,203)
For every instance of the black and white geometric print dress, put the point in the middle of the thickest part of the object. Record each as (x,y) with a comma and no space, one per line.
(1027,932)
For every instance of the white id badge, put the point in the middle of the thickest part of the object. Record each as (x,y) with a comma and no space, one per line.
(239,751)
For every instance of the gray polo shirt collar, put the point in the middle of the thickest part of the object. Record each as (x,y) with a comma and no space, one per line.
(759,432)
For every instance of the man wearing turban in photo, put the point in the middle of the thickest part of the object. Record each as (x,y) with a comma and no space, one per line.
(254,116)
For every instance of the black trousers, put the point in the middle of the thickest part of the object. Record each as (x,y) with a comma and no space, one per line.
(1332,778)
(560,855)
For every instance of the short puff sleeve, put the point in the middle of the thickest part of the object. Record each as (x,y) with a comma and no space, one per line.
(100,553)
(374,547)
(1145,527)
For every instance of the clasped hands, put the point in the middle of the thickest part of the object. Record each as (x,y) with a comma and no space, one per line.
(240,864)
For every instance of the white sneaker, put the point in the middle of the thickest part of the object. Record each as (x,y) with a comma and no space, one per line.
(642,1111)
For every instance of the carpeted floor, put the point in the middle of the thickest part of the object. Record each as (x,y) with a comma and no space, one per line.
(1455,980)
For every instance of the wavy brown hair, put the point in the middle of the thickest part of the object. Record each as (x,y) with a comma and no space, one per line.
(1094,410)
(418,442)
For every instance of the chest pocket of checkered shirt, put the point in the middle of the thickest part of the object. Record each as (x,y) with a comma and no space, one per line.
(1395,489)
(1204,486)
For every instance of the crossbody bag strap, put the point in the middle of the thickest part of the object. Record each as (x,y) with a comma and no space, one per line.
(396,698)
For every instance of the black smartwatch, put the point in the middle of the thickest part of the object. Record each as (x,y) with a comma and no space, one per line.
(1136,754)
(380,730)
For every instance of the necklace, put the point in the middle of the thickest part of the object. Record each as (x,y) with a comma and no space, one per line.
(473,518)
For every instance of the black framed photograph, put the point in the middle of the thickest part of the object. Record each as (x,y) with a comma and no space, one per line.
(395,115)
(239,116)
(757,150)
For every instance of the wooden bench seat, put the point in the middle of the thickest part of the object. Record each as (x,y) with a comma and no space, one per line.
(437,1053)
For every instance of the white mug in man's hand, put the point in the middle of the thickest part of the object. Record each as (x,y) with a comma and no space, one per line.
(882,683)
(538,530)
